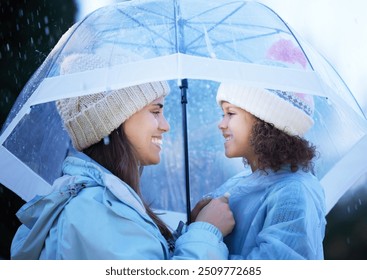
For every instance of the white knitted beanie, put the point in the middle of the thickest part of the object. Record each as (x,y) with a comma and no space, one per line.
(90,118)
(287,111)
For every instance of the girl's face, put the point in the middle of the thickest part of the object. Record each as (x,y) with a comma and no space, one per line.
(145,131)
(236,127)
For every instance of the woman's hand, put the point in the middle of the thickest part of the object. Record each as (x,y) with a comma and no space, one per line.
(215,212)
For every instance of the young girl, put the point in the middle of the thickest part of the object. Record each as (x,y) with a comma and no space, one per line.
(96,210)
(279,208)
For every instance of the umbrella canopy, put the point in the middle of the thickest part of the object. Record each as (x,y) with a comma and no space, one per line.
(206,43)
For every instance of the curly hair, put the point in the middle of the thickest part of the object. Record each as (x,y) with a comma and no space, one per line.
(276,148)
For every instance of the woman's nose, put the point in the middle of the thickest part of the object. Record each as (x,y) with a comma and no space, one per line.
(164,125)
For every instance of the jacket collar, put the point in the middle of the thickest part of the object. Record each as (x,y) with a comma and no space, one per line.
(90,172)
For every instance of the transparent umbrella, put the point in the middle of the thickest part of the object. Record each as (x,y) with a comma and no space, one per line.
(194,45)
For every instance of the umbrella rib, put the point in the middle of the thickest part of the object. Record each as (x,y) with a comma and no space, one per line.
(219,22)
(144,26)
(239,55)
(275,31)
(219,7)
(154,13)
(201,34)
(141,45)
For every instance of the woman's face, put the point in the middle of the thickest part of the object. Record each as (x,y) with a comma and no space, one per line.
(236,127)
(145,131)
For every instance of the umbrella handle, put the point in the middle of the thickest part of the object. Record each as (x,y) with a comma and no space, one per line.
(184,87)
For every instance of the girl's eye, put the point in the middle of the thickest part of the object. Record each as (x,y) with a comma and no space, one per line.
(227,114)
(156,113)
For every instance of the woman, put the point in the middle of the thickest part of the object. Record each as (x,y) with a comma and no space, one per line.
(279,208)
(96,210)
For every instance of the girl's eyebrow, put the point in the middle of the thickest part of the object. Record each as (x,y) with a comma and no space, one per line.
(229,107)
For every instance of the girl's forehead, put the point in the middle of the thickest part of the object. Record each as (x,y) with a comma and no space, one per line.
(226,105)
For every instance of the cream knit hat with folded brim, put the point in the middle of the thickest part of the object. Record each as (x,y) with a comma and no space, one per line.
(287,111)
(90,118)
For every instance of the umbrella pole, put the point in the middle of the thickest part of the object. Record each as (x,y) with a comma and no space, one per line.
(183,87)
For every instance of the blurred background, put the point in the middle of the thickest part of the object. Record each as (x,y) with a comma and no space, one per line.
(30,29)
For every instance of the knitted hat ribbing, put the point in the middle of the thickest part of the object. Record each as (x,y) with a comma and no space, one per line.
(90,118)
(289,112)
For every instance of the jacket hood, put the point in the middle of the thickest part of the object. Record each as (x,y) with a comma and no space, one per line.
(40,213)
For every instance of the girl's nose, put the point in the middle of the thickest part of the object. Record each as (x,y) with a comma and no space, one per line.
(222,124)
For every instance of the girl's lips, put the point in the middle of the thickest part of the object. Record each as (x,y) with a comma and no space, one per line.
(227,137)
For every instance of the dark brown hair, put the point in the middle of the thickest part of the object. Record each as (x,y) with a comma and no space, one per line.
(276,148)
(119,158)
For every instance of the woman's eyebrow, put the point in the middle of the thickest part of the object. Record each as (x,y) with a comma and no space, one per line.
(160,105)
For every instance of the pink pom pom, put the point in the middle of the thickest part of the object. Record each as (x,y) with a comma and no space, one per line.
(285,51)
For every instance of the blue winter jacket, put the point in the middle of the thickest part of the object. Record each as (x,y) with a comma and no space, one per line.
(279,215)
(92,214)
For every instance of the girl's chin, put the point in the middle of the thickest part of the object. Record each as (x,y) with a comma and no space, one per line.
(228,151)
(230,154)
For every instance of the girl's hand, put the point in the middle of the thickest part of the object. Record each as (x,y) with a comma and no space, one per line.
(215,212)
